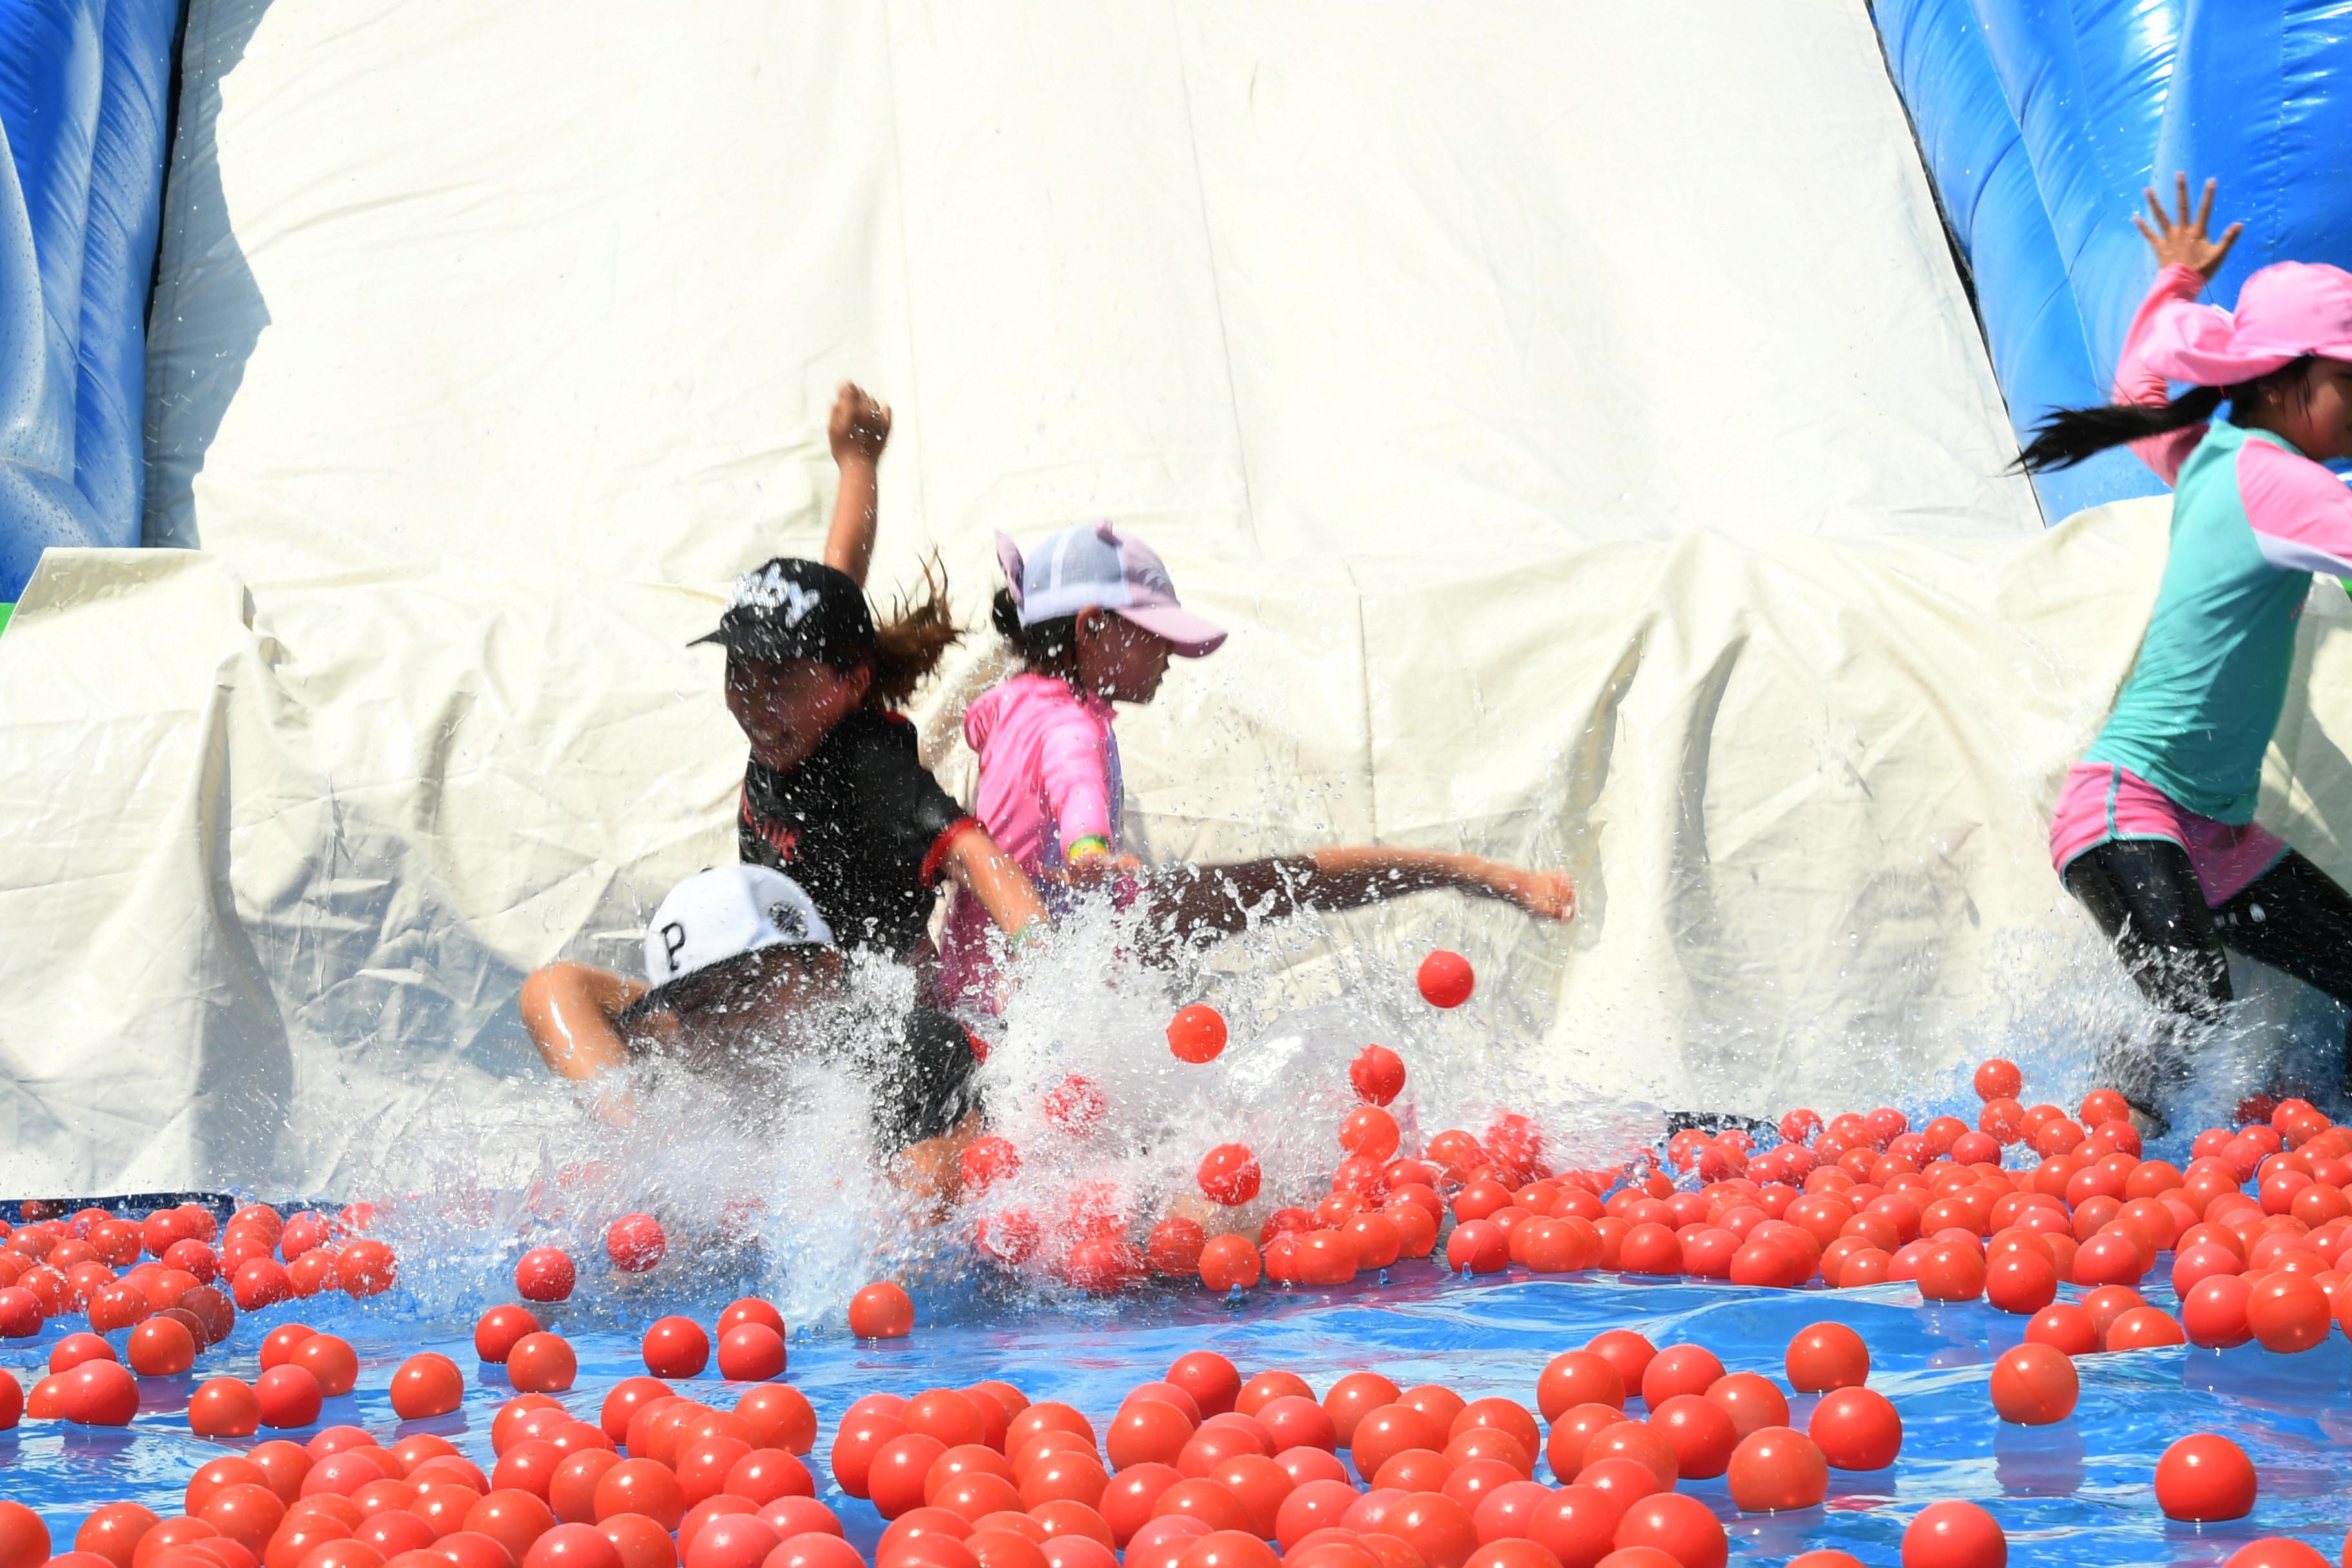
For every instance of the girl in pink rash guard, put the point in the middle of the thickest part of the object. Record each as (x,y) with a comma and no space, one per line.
(1095,619)
(2155,830)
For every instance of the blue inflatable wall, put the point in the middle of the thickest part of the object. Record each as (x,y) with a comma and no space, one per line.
(2042,121)
(84,88)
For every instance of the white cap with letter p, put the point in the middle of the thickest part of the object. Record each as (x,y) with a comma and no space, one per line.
(724,913)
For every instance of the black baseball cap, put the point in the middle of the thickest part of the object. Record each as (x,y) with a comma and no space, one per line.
(791,608)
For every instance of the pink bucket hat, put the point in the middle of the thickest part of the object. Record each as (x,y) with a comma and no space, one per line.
(2284,312)
(1095,564)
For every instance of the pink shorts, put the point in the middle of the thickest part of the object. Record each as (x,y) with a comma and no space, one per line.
(2102,802)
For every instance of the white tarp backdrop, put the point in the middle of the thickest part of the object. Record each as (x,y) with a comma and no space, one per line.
(1572,409)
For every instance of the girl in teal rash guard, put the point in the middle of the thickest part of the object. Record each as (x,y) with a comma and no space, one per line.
(2154,832)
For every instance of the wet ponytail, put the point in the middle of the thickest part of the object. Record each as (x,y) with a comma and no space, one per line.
(2071,436)
(1048,647)
(909,645)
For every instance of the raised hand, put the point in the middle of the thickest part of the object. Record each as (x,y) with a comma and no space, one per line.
(860,428)
(2179,240)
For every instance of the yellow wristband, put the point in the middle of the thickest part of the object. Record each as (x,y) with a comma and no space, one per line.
(1087,849)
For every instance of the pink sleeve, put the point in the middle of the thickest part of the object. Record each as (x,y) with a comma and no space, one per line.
(1076,772)
(2136,383)
(2301,513)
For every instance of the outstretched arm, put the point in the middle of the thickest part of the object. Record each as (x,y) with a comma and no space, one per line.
(1223,897)
(858,431)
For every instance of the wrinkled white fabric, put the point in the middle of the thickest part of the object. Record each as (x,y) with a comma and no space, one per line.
(274,861)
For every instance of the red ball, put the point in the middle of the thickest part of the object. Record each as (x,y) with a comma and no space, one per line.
(330,1359)
(1679,1369)
(2064,1326)
(1478,1247)
(2288,1312)
(985,1162)
(1173,1248)
(1229,1174)
(572,1546)
(20,1313)
(366,1268)
(750,1353)
(2034,1384)
(224,1407)
(817,1549)
(2023,1282)
(1197,1034)
(1228,1262)
(2213,1312)
(426,1384)
(1377,1074)
(2204,1478)
(287,1396)
(1954,1535)
(1445,979)
(881,1311)
(1213,1382)
(100,1394)
(1577,1524)
(1775,1469)
(161,1347)
(1578,1377)
(497,1330)
(113,1531)
(1857,1429)
(677,1347)
(545,1274)
(303,1233)
(1700,1433)
(260,1282)
(1999,1080)
(634,1242)
(732,1541)
(24,1539)
(2276,1552)
(542,1363)
(750,1310)
(1076,1106)
(1677,1524)
(1822,1356)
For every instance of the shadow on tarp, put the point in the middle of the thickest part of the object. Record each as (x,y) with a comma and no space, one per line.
(2077,1492)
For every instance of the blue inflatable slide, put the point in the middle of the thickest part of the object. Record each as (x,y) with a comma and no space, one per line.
(2041,122)
(84,116)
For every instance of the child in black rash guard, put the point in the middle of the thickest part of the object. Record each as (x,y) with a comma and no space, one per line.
(834,793)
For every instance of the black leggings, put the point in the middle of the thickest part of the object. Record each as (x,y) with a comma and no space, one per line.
(2145,895)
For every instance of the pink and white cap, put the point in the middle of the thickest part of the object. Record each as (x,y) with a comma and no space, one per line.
(1095,564)
(2284,312)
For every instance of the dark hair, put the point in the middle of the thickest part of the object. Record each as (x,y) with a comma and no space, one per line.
(2071,435)
(1048,647)
(911,644)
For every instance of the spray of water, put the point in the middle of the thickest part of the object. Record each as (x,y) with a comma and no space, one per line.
(769,1180)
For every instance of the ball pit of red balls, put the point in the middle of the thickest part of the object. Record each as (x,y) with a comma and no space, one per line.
(1216,1465)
